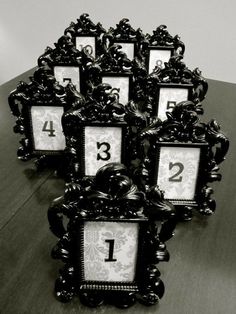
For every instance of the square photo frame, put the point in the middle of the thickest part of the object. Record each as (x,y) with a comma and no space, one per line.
(121,83)
(168,95)
(178,169)
(109,253)
(102,143)
(157,56)
(65,74)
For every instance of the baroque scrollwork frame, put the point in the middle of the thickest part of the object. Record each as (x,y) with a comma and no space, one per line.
(111,196)
(183,128)
(176,73)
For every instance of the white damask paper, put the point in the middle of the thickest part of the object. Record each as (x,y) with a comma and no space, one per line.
(66,74)
(83,41)
(128,48)
(185,188)
(122,84)
(42,139)
(98,154)
(158,58)
(96,251)
(174,96)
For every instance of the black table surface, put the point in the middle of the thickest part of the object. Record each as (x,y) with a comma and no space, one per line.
(201,274)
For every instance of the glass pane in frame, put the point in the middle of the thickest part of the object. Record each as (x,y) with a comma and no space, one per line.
(178,169)
(169,97)
(158,57)
(86,41)
(128,48)
(46,128)
(66,74)
(121,84)
(102,145)
(110,251)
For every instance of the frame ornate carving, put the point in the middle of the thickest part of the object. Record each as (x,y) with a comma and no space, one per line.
(175,72)
(42,90)
(182,128)
(85,27)
(111,196)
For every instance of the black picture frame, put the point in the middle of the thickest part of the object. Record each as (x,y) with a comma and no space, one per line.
(86,28)
(158,110)
(160,63)
(127,77)
(103,149)
(181,129)
(110,207)
(131,285)
(42,93)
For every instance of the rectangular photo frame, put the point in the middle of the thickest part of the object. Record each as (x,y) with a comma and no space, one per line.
(177,171)
(157,56)
(45,129)
(120,83)
(168,95)
(65,74)
(102,143)
(110,253)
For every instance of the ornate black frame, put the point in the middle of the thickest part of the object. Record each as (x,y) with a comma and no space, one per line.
(42,90)
(81,140)
(84,27)
(182,127)
(175,72)
(125,33)
(111,196)
(162,40)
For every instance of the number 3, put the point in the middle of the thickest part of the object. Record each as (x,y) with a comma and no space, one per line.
(174,177)
(106,151)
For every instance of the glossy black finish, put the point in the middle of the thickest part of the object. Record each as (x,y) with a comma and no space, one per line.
(176,73)
(111,196)
(183,128)
(86,27)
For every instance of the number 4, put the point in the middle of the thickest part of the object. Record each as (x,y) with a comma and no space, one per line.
(50,130)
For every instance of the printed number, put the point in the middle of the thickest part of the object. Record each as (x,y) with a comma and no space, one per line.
(159,63)
(67,79)
(87,48)
(111,251)
(105,151)
(171,104)
(176,177)
(50,130)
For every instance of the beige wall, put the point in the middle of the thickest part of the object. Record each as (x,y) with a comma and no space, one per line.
(207,28)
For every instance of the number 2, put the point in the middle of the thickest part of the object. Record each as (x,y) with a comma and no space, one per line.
(176,177)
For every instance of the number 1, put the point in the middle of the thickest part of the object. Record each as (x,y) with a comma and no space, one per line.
(111,251)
